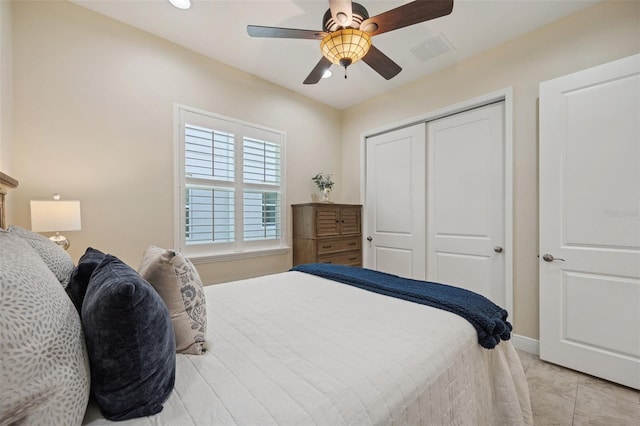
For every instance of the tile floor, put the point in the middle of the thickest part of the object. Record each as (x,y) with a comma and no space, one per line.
(560,396)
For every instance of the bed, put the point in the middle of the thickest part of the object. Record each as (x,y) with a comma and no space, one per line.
(296,349)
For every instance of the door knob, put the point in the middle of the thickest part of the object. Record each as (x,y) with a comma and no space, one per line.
(497,249)
(549,258)
(369,238)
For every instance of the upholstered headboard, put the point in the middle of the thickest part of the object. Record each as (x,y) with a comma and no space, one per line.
(6,183)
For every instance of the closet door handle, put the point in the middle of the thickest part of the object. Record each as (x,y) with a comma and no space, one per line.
(549,258)
(497,249)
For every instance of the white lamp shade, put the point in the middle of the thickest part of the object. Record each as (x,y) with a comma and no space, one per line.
(54,216)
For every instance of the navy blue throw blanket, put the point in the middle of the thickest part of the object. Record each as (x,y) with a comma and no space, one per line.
(489,320)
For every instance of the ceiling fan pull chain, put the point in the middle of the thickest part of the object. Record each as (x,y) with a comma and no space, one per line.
(345,73)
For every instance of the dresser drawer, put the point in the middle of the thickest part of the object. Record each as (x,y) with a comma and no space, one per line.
(338,244)
(353,258)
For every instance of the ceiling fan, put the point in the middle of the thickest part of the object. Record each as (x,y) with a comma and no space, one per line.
(347,32)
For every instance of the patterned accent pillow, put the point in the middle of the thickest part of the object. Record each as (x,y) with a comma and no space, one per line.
(130,342)
(54,256)
(44,368)
(177,281)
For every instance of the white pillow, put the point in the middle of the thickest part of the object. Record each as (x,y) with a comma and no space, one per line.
(44,368)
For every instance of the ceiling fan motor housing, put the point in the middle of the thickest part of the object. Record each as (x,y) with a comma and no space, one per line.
(358,13)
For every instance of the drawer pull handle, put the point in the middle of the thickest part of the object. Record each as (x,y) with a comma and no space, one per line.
(327,246)
(352,244)
(353,258)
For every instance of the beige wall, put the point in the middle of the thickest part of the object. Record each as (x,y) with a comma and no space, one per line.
(6,86)
(93,120)
(602,33)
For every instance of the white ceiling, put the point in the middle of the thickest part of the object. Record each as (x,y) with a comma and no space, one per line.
(217,28)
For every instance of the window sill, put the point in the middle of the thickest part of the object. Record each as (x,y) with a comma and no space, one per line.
(223,257)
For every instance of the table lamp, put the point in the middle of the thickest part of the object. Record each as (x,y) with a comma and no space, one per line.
(55,216)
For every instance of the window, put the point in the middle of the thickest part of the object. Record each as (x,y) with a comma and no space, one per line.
(230,176)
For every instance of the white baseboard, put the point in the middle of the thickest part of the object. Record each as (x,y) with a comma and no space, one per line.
(526,344)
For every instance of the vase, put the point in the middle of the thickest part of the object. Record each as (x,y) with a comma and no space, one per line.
(325,195)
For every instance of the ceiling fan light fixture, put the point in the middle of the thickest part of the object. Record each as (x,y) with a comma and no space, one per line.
(346,46)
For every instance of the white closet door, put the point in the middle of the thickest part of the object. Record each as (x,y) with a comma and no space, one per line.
(590,221)
(395,202)
(465,201)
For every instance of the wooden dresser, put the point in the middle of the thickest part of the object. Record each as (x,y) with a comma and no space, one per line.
(327,233)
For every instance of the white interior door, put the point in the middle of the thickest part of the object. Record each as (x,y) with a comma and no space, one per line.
(466,201)
(395,202)
(590,221)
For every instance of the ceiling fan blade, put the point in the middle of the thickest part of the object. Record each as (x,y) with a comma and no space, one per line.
(341,12)
(318,71)
(381,63)
(276,32)
(405,15)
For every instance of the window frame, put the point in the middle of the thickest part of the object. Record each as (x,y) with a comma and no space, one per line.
(239,249)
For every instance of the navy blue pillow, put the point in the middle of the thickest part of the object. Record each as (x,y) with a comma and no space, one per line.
(79,280)
(130,341)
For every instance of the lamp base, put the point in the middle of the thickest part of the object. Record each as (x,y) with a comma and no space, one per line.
(60,240)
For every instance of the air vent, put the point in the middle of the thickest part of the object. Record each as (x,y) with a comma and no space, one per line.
(435,46)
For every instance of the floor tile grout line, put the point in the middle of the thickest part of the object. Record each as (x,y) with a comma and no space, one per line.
(575,402)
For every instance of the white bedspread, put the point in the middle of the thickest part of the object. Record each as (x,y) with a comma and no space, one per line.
(295,349)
